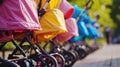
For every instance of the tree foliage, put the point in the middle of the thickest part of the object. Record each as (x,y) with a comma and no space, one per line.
(109,11)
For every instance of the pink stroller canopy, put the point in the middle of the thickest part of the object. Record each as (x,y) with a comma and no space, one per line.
(18,15)
(66,8)
(72,28)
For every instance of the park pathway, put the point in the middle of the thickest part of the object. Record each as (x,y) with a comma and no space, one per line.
(107,56)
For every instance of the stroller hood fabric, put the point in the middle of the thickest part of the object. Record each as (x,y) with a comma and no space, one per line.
(52,4)
(83,32)
(18,15)
(66,8)
(82,29)
(52,23)
(76,39)
(77,11)
(83,17)
(71,26)
(92,31)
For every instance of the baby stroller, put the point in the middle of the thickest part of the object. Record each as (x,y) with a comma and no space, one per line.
(53,24)
(26,23)
(70,57)
(85,29)
(16,19)
(62,38)
(81,18)
(51,41)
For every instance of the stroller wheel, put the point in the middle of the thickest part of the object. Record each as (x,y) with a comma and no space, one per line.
(81,52)
(76,54)
(50,61)
(60,59)
(69,58)
(44,60)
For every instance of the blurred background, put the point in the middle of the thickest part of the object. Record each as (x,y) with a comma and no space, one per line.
(109,11)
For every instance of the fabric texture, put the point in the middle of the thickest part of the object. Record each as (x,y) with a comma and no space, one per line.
(72,28)
(19,15)
(52,23)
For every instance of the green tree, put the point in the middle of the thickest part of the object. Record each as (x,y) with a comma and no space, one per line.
(101,7)
(115,15)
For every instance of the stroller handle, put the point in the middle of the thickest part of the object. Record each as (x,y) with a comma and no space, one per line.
(42,11)
(47,2)
(87,6)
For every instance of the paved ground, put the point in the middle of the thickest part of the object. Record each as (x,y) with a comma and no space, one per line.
(108,56)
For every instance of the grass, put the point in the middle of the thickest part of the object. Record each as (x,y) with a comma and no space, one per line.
(9,46)
(99,41)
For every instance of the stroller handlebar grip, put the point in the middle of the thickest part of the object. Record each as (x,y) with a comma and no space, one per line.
(87,6)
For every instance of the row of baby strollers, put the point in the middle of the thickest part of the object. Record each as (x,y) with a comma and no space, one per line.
(28,23)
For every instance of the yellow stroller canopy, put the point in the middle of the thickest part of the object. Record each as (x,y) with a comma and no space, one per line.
(52,4)
(52,23)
